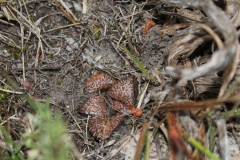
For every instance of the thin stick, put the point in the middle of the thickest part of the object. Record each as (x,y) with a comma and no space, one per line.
(37,68)
(84,6)
(86,132)
(62,27)
(8,91)
(75,121)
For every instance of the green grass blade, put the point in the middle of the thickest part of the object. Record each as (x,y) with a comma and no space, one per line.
(147,146)
(232,113)
(136,62)
(96,31)
(10,143)
(6,134)
(142,142)
(201,148)
(42,110)
(50,131)
(212,138)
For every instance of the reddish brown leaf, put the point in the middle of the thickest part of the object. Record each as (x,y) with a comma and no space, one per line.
(102,128)
(118,106)
(141,141)
(95,106)
(123,91)
(98,82)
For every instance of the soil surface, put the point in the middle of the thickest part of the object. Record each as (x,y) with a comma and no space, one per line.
(57,56)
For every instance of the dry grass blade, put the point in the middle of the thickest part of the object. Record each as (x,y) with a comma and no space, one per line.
(229,73)
(187,105)
(176,14)
(175,27)
(62,27)
(183,48)
(142,95)
(165,24)
(68,13)
(212,33)
(5,12)
(9,91)
(33,28)
(9,41)
(222,58)
(3,1)
(191,105)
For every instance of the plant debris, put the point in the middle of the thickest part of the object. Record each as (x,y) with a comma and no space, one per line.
(122,90)
(169,69)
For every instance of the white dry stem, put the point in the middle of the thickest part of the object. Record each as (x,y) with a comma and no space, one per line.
(37,57)
(142,95)
(6,13)
(32,27)
(164,130)
(229,73)
(223,138)
(62,27)
(23,55)
(212,33)
(24,4)
(6,85)
(9,91)
(9,118)
(68,10)
(5,22)
(85,8)
(5,39)
(86,140)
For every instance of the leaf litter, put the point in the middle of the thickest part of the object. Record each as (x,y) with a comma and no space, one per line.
(189,58)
